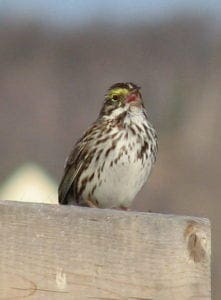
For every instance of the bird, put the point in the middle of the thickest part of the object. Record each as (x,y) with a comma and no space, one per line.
(111,162)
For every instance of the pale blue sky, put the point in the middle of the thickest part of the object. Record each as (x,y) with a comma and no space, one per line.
(83,11)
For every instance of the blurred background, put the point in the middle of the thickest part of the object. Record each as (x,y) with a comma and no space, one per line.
(58,58)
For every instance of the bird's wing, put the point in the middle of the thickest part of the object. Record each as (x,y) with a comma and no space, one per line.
(76,163)
(73,167)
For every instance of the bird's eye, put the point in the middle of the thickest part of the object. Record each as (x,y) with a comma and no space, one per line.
(115,97)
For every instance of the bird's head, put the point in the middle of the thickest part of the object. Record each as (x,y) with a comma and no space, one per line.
(120,98)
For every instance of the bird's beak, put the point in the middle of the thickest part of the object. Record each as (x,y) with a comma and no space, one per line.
(134,96)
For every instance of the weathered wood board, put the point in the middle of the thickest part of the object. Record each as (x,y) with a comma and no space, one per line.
(58,252)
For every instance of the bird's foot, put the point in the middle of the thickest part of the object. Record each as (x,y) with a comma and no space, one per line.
(124,208)
(91,203)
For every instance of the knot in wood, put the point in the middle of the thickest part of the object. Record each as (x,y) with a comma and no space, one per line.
(196,241)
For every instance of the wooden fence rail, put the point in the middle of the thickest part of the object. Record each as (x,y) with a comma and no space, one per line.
(58,252)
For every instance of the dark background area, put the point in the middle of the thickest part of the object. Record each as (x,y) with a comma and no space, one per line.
(52,83)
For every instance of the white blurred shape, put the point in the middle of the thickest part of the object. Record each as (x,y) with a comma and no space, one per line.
(29,183)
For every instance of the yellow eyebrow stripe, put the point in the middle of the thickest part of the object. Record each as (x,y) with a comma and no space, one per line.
(118,91)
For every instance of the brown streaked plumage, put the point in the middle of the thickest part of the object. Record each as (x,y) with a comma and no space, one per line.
(114,157)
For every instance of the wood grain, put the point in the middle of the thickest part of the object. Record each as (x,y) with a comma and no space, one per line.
(59,252)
